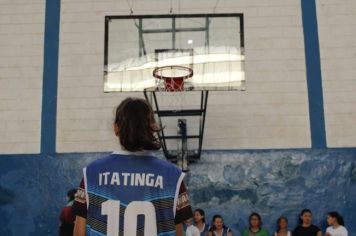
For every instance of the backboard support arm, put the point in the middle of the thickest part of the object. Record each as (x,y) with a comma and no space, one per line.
(173,155)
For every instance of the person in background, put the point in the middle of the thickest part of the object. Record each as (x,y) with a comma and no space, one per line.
(218,227)
(255,228)
(191,229)
(66,217)
(199,218)
(282,227)
(305,227)
(336,225)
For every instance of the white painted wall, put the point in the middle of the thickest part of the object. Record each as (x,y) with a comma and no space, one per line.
(337,36)
(272,113)
(21,65)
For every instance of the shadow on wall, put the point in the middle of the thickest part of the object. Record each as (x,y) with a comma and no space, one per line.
(231,183)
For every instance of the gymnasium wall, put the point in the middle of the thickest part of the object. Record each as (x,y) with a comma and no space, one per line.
(21,66)
(337,34)
(272,113)
(287,142)
(230,183)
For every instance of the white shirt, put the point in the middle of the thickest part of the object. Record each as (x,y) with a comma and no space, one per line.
(339,231)
(192,231)
(288,233)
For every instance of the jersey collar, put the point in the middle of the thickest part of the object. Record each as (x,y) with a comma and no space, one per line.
(138,153)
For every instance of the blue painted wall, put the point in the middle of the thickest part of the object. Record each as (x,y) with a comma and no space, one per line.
(50,76)
(232,183)
(314,78)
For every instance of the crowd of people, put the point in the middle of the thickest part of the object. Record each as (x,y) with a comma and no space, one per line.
(305,227)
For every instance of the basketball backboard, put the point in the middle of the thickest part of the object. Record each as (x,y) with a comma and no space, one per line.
(211,46)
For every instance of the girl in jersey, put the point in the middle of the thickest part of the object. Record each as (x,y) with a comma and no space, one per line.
(199,218)
(218,228)
(130,182)
(255,228)
(282,227)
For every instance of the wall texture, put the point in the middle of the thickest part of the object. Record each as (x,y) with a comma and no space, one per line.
(231,183)
(338,61)
(21,64)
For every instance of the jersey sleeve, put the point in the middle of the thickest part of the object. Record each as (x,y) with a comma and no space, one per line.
(183,209)
(79,207)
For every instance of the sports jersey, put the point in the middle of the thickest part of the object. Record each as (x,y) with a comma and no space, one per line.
(204,230)
(132,194)
(224,232)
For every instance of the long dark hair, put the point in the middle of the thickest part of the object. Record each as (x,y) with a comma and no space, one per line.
(71,194)
(337,216)
(212,227)
(201,212)
(135,120)
(306,210)
(257,215)
(279,221)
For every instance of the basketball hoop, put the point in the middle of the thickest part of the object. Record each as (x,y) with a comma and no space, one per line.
(173,77)
(170,98)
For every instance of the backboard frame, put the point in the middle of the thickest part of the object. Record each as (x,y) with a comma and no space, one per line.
(172,30)
(182,153)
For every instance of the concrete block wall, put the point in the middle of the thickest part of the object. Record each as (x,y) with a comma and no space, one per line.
(21,65)
(272,113)
(337,34)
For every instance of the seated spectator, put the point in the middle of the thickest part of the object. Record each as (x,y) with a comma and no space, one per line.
(218,228)
(66,217)
(191,229)
(255,228)
(282,227)
(336,225)
(199,218)
(305,227)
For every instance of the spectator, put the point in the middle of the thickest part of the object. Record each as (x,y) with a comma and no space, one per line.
(255,228)
(336,225)
(305,227)
(218,227)
(282,227)
(66,217)
(191,229)
(199,218)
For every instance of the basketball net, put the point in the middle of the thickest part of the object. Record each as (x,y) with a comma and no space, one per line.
(173,82)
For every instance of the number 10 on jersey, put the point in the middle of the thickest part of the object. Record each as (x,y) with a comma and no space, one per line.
(111,208)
